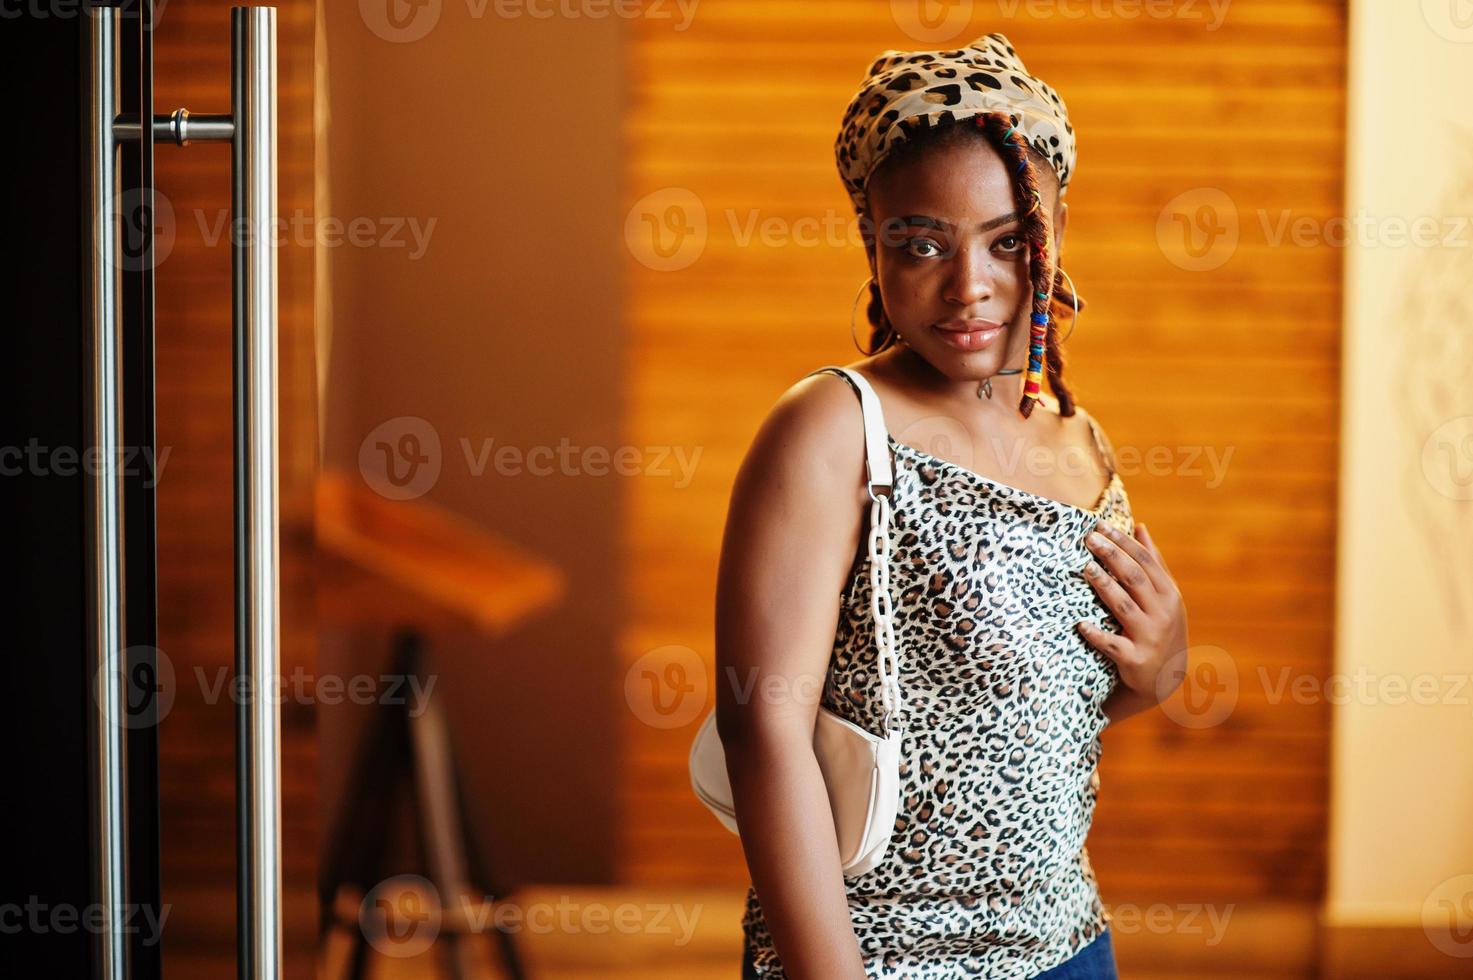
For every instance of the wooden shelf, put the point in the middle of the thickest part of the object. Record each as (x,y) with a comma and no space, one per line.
(410,562)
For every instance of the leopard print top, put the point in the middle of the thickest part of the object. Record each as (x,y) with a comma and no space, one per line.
(987,874)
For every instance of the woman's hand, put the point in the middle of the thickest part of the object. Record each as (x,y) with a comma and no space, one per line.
(1142,595)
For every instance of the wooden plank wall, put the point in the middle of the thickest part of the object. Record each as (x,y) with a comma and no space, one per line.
(195,529)
(738,112)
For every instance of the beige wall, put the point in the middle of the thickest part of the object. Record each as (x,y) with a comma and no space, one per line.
(1402,802)
(503,131)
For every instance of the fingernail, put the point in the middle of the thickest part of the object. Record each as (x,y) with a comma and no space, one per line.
(1096,538)
(1093,568)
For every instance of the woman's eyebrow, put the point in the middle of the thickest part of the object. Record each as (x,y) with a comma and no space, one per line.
(926,221)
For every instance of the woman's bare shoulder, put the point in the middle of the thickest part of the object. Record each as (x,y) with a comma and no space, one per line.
(815,427)
(1095,432)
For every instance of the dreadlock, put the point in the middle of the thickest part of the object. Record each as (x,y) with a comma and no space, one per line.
(1046,280)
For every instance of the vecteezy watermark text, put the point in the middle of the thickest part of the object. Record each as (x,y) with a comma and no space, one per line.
(1162,918)
(301,687)
(573,460)
(331,231)
(401,916)
(34,459)
(402,458)
(39,918)
(405,21)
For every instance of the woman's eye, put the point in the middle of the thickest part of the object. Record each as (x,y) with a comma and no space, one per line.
(922,243)
(1010,243)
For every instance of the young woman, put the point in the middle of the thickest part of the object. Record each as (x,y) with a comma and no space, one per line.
(1022,634)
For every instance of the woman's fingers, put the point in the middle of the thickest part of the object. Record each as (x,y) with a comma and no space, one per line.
(1150,542)
(1112,645)
(1129,561)
(1127,610)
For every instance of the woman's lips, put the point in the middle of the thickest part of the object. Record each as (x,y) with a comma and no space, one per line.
(968,335)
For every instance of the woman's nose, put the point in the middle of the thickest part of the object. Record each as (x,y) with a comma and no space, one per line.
(972,276)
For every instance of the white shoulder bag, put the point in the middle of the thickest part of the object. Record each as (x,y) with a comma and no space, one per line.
(861,770)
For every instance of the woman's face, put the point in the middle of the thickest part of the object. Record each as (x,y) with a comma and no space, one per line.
(950,256)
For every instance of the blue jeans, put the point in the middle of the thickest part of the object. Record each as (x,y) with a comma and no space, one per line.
(1096,961)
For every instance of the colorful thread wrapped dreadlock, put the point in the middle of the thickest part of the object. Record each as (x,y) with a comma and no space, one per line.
(1038,231)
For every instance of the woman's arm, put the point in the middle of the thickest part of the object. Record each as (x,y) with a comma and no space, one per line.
(792,530)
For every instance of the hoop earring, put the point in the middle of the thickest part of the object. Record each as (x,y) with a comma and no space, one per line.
(853,308)
(1074,320)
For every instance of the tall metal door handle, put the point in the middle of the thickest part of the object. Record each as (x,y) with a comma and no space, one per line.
(106,590)
(251,128)
(257,579)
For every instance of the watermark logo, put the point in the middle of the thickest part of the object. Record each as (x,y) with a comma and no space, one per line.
(666,688)
(146,231)
(942,436)
(1447,458)
(570,459)
(401,916)
(1198,229)
(38,918)
(400,21)
(1198,688)
(1365,230)
(1213,12)
(666,230)
(569,915)
(67,9)
(400,459)
(948,439)
(302,229)
(1450,19)
(147,685)
(1362,686)
(1182,919)
(299,687)
(147,228)
(1447,916)
(36,459)
(931,20)
(403,21)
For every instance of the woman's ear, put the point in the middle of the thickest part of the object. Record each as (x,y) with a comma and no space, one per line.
(1061,222)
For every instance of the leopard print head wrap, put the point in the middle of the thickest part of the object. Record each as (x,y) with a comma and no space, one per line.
(905,92)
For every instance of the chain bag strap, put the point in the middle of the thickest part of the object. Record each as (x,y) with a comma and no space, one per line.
(860,768)
(887,655)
